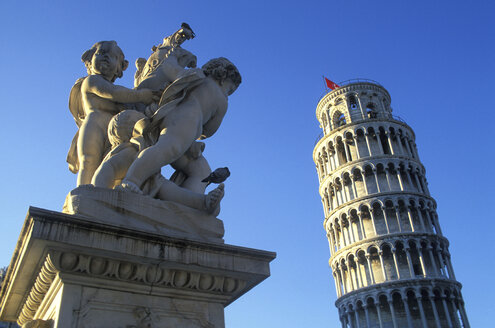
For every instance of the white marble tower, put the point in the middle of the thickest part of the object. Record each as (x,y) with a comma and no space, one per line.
(389,258)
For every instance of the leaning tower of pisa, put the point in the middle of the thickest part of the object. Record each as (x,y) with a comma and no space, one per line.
(389,259)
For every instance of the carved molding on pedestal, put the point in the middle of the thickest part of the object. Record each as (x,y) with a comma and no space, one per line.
(38,291)
(99,267)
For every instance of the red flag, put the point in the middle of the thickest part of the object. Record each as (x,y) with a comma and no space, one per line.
(331,85)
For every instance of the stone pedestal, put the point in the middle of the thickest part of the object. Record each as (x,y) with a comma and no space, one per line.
(75,271)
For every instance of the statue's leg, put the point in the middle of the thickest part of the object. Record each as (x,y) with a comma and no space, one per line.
(172,192)
(90,147)
(171,145)
(196,170)
(114,169)
(209,203)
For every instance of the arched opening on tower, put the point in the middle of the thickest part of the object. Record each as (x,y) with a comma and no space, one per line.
(393,223)
(341,120)
(384,141)
(416,260)
(341,151)
(371,111)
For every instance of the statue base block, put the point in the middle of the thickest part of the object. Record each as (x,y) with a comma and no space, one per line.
(131,210)
(74,271)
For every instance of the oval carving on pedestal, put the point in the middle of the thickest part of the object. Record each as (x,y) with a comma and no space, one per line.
(151,274)
(125,271)
(205,282)
(180,278)
(229,285)
(97,265)
(68,261)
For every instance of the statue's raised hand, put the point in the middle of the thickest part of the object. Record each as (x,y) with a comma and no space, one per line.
(148,96)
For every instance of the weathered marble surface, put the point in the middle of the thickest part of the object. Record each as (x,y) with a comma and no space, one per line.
(82,273)
(143,213)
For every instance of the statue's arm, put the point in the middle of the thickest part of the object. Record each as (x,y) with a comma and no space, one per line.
(104,89)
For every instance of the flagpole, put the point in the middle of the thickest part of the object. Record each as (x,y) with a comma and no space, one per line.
(325,83)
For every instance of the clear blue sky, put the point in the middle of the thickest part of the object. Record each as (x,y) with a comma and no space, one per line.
(436,58)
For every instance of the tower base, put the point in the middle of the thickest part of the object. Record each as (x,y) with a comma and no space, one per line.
(74,271)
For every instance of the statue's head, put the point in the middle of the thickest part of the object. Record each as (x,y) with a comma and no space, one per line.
(105,58)
(222,69)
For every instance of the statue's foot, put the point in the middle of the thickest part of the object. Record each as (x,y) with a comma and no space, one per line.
(127,185)
(212,200)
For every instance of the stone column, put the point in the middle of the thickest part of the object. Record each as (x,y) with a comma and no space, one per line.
(442,262)
(454,308)
(385,217)
(433,261)
(357,274)
(408,313)
(343,321)
(359,214)
(408,178)
(421,261)
(367,138)
(335,195)
(363,175)
(351,282)
(449,267)
(358,153)
(358,268)
(401,150)
(387,174)
(446,310)
(421,310)
(437,225)
(354,189)
(463,314)
(395,262)
(373,221)
(337,286)
(368,323)
(346,151)
(379,141)
(392,311)
(332,242)
(421,218)
(401,183)
(425,185)
(415,150)
(356,317)
(389,139)
(376,180)
(332,160)
(417,182)
(408,147)
(341,282)
(351,230)
(408,210)
(370,268)
(397,214)
(349,318)
(409,262)
(380,254)
(431,298)
(379,314)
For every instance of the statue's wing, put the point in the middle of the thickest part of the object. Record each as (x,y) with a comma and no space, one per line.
(77,110)
(75,102)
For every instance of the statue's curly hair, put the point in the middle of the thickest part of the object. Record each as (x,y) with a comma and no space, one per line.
(88,55)
(220,69)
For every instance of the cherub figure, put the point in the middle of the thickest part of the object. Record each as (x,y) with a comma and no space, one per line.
(189,111)
(186,187)
(93,101)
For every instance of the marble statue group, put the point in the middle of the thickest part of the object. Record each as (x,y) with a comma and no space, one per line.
(127,135)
